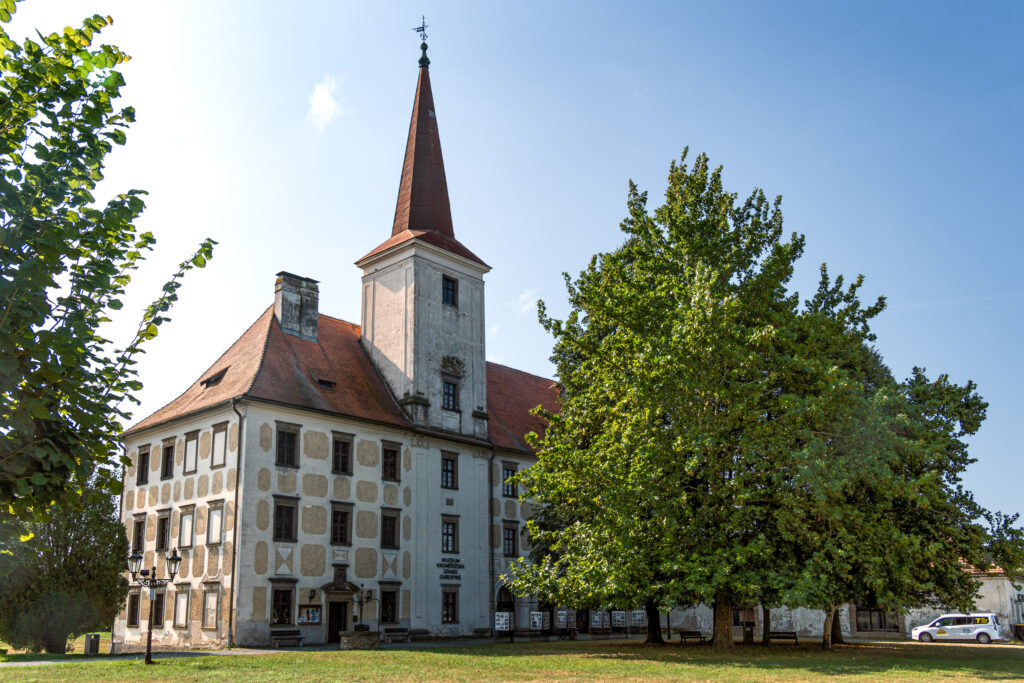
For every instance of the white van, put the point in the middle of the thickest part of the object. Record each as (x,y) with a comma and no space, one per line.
(980,626)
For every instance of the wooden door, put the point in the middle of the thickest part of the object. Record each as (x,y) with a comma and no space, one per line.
(337,619)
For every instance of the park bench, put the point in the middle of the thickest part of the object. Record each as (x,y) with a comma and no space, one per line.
(286,638)
(393,633)
(783,635)
(691,635)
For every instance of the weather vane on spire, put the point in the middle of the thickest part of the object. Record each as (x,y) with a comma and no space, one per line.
(422,30)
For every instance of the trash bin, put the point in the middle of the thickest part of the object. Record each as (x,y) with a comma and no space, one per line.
(92,644)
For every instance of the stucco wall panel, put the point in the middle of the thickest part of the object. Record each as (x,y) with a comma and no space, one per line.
(259,563)
(217,482)
(342,488)
(203,486)
(366,491)
(266,437)
(312,560)
(263,479)
(366,453)
(259,603)
(205,439)
(314,519)
(314,485)
(314,444)
(366,524)
(286,482)
(366,563)
(263,515)
(390,494)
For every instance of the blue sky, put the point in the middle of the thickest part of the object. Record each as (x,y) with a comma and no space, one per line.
(892,130)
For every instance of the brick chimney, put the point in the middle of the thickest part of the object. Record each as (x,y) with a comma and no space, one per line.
(295,304)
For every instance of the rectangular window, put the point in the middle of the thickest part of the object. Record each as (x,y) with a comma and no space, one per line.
(139,534)
(287,444)
(158,608)
(450,291)
(215,523)
(186,526)
(281,607)
(167,459)
(191,452)
(388,605)
(450,398)
(211,607)
(449,534)
(163,529)
(142,467)
(449,470)
(181,608)
(219,456)
(341,454)
(341,524)
(449,604)
(508,487)
(389,462)
(509,539)
(389,528)
(872,619)
(285,512)
(133,609)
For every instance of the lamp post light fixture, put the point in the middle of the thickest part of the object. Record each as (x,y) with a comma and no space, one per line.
(363,597)
(147,579)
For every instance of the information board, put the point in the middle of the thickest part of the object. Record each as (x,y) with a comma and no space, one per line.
(502,621)
(560,619)
(619,619)
(536,621)
(639,617)
(595,619)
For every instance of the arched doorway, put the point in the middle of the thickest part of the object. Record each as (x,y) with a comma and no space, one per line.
(506,602)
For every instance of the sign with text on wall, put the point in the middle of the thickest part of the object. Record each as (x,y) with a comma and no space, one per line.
(536,621)
(639,617)
(451,569)
(502,621)
(619,619)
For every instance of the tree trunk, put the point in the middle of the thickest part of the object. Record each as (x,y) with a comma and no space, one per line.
(826,634)
(837,630)
(653,623)
(722,638)
(766,625)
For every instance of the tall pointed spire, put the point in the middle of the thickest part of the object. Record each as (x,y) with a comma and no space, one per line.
(423,193)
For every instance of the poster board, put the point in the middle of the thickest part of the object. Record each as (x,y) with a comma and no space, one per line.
(536,621)
(502,621)
(561,619)
(639,617)
(309,614)
(619,619)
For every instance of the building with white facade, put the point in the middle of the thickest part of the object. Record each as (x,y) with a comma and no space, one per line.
(319,460)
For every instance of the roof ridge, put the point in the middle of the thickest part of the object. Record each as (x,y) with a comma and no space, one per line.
(531,374)
(263,350)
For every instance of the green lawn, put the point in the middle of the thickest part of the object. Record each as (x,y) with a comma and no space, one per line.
(581,660)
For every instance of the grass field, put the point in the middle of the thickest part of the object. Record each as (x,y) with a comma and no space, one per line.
(581,660)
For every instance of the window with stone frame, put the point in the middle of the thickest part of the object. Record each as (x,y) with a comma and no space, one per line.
(341,453)
(508,486)
(450,291)
(449,534)
(388,603)
(211,606)
(285,518)
(163,529)
(167,459)
(139,534)
(341,523)
(186,527)
(282,601)
(191,452)
(159,608)
(449,604)
(215,522)
(288,444)
(450,394)
(181,605)
(133,609)
(389,528)
(510,539)
(219,452)
(142,466)
(449,470)
(389,461)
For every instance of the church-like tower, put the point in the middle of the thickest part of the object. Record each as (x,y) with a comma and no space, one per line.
(423,293)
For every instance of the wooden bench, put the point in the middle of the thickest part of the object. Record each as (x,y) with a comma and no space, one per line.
(783,635)
(393,633)
(691,635)
(293,638)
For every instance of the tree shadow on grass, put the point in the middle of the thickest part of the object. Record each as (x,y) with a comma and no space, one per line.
(875,659)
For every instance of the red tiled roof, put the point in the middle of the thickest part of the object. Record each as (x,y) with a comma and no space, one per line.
(265,363)
(431,236)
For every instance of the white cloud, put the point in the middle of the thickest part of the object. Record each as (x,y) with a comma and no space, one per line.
(527,301)
(323,108)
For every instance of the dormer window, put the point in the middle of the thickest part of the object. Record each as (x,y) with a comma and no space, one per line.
(214,379)
(450,291)
(324,382)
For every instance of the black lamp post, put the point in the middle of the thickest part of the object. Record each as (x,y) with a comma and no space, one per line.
(363,597)
(148,580)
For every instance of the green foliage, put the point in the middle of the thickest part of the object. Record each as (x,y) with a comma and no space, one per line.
(719,442)
(66,579)
(64,264)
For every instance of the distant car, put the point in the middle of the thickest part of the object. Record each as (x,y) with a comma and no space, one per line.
(981,626)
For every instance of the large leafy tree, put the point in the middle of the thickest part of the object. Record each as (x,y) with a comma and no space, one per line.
(65,261)
(718,442)
(67,579)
